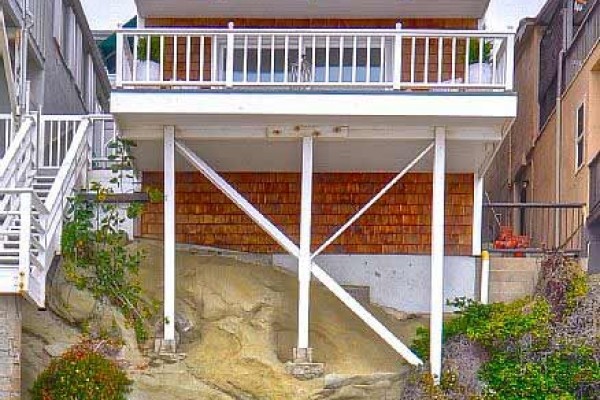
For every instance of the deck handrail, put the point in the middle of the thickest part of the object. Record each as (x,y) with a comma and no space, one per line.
(395,58)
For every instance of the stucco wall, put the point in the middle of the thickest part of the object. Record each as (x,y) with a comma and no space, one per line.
(401,282)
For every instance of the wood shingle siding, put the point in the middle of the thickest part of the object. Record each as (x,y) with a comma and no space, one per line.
(400,223)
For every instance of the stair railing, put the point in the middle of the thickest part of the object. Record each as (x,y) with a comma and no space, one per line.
(16,169)
(31,234)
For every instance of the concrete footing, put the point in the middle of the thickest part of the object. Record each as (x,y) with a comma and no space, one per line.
(10,347)
(302,367)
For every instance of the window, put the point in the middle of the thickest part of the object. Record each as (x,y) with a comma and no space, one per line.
(580,137)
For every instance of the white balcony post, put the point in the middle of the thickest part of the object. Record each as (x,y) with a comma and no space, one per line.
(510,62)
(304,261)
(119,50)
(229,57)
(24,241)
(169,232)
(437,254)
(397,57)
(477,214)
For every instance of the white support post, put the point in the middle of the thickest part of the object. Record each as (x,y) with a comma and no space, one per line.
(119,61)
(397,68)
(477,214)
(437,254)
(510,63)
(25,241)
(304,261)
(294,250)
(229,52)
(169,232)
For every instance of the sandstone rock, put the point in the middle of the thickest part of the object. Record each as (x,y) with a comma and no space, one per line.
(237,324)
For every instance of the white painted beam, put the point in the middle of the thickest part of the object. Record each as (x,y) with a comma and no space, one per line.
(477,214)
(437,254)
(431,105)
(294,250)
(169,234)
(304,261)
(374,200)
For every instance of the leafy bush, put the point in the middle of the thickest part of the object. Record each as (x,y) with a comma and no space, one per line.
(94,246)
(530,357)
(82,373)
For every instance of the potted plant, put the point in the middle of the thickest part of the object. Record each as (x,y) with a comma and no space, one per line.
(148,67)
(477,64)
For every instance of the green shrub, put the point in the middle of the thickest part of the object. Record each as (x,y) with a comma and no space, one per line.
(557,375)
(82,373)
(530,358)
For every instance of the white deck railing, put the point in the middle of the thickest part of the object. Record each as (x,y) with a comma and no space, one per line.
(339,58)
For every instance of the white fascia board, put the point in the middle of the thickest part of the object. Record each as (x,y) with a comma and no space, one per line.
(452,105)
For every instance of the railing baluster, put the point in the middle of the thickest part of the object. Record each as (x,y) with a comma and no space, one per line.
(201,66)
(382,60)
(148,51)
(258,57)
(245,61)
(454,60)
(161,64)
(341,72)
(368,72)
(467,56)
(494,65)
(413,56)
(300,59)
(481,44)
(426,61)
(327,66)
(286,54)
(135,57)
(440,58)
(175,74)
(314,58)
(188,57)
(272,58)
(354,51)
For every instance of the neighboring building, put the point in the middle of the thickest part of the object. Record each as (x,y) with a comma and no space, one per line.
(51,80)
(506,14)
(307,111)
(550,155)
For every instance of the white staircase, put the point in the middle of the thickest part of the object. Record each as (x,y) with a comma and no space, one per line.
(46,161)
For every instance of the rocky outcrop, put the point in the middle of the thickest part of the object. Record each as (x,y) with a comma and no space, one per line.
(237,325)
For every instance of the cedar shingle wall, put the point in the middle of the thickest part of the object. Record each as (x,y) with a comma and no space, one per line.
(455,23)
(398,224)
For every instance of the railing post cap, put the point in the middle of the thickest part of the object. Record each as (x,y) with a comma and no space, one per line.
(398,25)
(485,255)
(230,25)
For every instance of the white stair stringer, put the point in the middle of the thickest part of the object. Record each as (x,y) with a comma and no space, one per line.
(33,211)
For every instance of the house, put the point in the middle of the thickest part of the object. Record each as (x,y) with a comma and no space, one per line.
(547,166)
(52,80)
(344,140)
